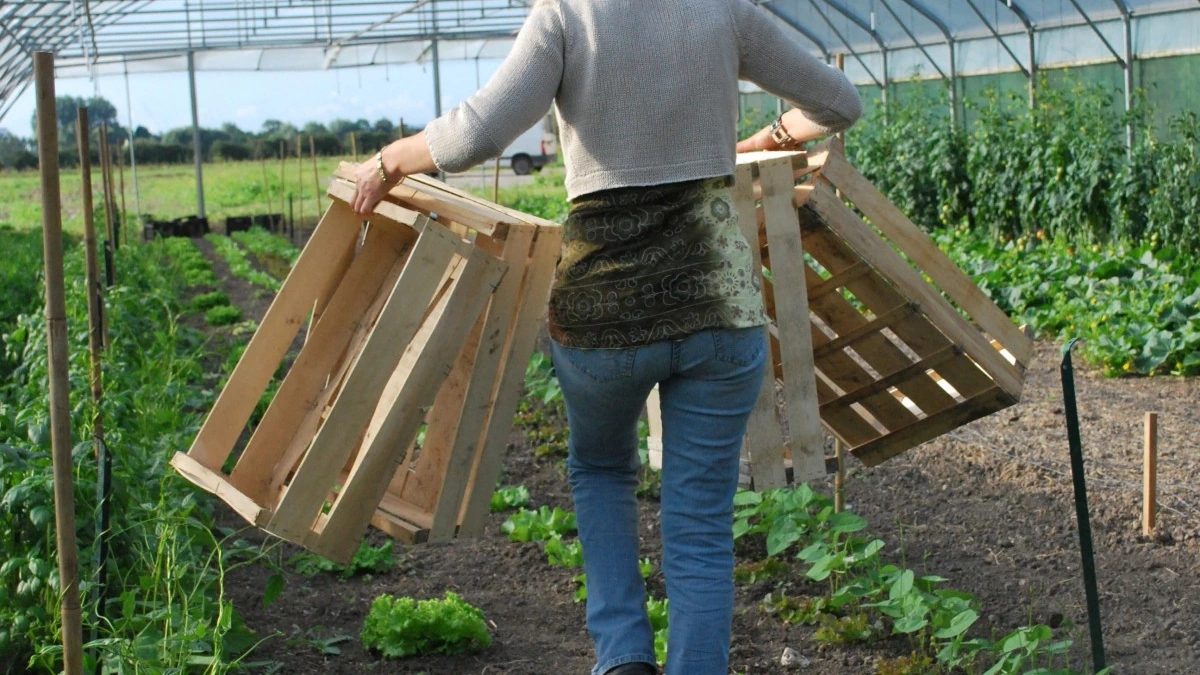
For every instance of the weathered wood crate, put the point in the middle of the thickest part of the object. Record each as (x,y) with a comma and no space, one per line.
(397,408)
(877,338)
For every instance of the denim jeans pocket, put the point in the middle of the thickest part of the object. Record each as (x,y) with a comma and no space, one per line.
(739,346)
(601,365)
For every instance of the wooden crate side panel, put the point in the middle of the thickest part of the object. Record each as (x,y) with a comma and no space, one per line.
(333,238)
(427,370)
(881,298)
(534,300)
(800,390)
(925,253)
(216,484)
(763,448)
(301,391)
(859,236)
(481,392)
(397,324)
(933,426)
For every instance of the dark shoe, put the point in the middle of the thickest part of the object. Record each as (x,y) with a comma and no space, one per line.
(635,668)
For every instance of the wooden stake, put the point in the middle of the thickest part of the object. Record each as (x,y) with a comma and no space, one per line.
(496,183)
(56,330)
(354,146)
(839,479)
(312,150)
(299,178)
(262,156)
(121,184)
(1150,476)
(96,342)
(110,218)
(282,184)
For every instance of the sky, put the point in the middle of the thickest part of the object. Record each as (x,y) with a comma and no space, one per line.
(160,101)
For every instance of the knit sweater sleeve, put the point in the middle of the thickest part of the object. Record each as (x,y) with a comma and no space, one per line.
(512,101)
(781,66)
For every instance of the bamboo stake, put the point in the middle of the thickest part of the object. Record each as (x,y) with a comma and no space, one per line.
(262,156)
(95,300)
(1150,476)
(282,184)
(312,150)
(354,146)
(839,479)
(56,332)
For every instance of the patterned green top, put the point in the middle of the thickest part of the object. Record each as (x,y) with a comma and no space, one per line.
(645,264)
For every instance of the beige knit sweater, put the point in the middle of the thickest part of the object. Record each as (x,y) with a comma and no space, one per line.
(646,90)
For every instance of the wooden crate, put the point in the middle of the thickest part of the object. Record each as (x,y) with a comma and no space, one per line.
(421,321)
(900,346)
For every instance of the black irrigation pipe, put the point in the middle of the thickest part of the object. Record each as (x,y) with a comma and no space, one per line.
(1081,509)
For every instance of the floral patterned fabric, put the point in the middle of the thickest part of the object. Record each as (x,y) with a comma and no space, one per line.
(645,264)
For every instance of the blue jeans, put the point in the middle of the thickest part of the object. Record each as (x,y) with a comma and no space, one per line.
(708,384)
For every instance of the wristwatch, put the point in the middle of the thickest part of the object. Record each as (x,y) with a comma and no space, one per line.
(781,137)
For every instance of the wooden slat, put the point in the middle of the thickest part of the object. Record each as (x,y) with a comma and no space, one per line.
(654,439)
(894,379)
(334,236)
(800,391)
(925,253)
(427,369)
(343,192)
(481,393)
(430,200)
(216,484)
(898,441)
(763,446)
(534,300)
(300,393)
(837,281)
(881,256)
(850,337)
(397,325)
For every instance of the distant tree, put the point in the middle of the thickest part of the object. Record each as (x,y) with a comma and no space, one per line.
(340,127)
(233,133)
(384,126)
(314,128)
(16,153)
(142,132)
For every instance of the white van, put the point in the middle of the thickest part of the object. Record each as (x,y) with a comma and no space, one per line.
(533,149)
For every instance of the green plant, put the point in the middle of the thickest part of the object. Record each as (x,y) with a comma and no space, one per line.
(540,525)
(562,553)
(222,315)
(659,613)
(399,627)
(207,301)
(846,630)
(367,560)
(760,570)
(506,499)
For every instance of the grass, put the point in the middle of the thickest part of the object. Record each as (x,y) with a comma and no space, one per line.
(168,191)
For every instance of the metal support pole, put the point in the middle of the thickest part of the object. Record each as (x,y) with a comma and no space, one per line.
(1128,25)
(196,146)
(1032,72)
(1081,509)
(437,70)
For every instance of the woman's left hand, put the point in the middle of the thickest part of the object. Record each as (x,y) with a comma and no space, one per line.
(369,187)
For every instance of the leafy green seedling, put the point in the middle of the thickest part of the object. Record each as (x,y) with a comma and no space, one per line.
(527,525)
(399,627)
(506,499)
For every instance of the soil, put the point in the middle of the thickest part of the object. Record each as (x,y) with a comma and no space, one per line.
(989,506)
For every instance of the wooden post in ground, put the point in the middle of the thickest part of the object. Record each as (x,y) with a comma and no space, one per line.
(1150,476)
(496,183)
(262,157)
(299,178)
(282,185)
(312,150)
(56,332)
(96,342)
(121,185)
(354,146)
(110,218)
(839,479)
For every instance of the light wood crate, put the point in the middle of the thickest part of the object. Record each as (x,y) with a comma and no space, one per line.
(877,338)
(420,322)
